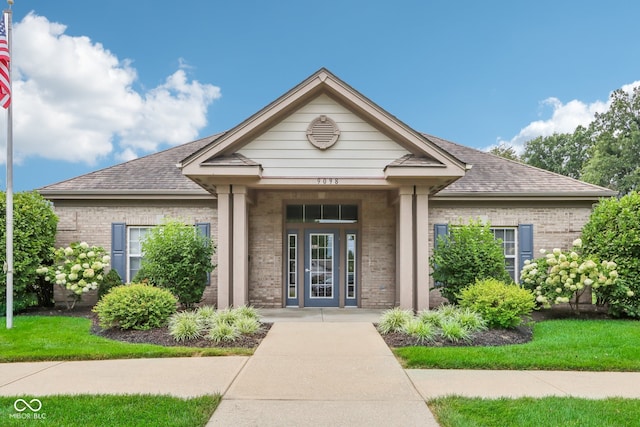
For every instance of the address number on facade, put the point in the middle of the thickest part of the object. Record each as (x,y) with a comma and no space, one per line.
(327,181)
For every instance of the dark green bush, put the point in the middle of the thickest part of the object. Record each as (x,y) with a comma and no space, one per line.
(469,253)
(136,306)
(177,258)
(613,233)
(501,305)
(111,280)
(34,234)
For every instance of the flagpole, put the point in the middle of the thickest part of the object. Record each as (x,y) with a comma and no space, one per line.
(9,261)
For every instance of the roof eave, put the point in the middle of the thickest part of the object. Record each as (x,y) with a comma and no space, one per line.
(125,194)
(514,196)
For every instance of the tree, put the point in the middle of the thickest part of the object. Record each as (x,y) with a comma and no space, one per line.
(613,233)
(469,253)
(505,151)
(34,234)
(177,257)
(615,154)
(563,153)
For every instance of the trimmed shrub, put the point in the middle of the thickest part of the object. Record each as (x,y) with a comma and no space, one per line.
(111,280)
(500,304)
(135,306)
(469,253)
(394,320)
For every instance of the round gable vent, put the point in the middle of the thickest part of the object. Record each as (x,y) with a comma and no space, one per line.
(323,132)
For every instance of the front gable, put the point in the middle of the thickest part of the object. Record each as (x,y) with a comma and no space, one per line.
(360,150)
(366,146)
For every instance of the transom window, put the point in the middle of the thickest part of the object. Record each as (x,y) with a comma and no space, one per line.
(323,214)
(508,237)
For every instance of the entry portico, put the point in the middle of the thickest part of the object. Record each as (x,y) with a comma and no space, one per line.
(323,200)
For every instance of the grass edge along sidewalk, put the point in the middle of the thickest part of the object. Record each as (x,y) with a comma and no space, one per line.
(51,338)
(582,345)
(455,411)
(102,410)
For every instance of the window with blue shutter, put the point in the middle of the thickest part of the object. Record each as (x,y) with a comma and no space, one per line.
(119,248)
(525,245)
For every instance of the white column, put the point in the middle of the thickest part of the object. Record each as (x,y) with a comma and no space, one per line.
(240,247)
(422,248)
(224,246)
(405,263)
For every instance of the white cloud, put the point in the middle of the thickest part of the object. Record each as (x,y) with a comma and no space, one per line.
(564,119)
(74,100)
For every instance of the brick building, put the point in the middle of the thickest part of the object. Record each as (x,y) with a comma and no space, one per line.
(322,198)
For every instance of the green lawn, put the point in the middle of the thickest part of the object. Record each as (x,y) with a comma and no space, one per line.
(39,338)
(453,411)
(584,345)
(108,410)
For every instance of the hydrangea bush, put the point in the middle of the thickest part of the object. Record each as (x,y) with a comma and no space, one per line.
(77,269)
(564,276)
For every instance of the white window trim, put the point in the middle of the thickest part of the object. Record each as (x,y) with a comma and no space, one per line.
(515,256)
(128,246)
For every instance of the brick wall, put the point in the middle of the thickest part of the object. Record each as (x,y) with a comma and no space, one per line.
(90,221)
(377,237)
(555,224)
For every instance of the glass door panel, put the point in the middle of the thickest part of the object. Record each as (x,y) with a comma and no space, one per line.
(321,268)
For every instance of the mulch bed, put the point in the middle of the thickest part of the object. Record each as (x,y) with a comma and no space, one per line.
(490,337)
(160,336)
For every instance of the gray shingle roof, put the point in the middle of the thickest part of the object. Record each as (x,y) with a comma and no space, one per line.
(494,176)
(412,160)
(156,172)
(490,175)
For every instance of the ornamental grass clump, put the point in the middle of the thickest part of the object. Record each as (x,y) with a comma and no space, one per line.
(185,325)
(223,332)
(394,320)
(470,319)
(247,325)
(454,331)
(421,331)
(433,317)
(216,325)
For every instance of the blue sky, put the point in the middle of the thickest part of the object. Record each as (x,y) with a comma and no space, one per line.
(97,83)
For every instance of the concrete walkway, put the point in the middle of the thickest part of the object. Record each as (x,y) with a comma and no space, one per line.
(327,374)
(315,367)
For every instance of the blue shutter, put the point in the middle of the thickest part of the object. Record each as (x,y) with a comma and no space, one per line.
(525,245)
(119,248)
(204,228)
(439,230)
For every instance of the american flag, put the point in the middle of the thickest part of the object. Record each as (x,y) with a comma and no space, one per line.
(5,59)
